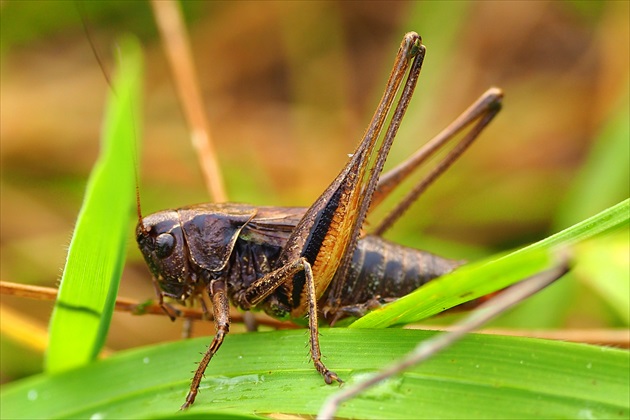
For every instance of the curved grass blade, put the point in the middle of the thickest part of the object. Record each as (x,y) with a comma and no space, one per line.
(89,284)
(491,274)
(269,373)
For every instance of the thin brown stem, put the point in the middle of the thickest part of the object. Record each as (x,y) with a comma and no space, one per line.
(128,305)
(612,337)
(172,29)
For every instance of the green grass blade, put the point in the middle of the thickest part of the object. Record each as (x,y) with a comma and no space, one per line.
(489,275)
(89,285)
(612,218)
(266,373)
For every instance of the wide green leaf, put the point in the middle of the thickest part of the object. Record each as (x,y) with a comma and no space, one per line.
(269,373)
(89,285)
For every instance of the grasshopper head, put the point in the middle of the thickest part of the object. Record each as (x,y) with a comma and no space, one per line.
(162,244)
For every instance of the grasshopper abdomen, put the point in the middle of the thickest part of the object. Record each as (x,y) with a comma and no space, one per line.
(380,272)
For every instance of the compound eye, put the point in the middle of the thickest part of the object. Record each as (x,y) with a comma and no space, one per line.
(164,245)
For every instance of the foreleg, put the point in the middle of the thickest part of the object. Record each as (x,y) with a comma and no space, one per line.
(221,307)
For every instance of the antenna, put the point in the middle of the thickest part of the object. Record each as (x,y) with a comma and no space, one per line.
(96,51)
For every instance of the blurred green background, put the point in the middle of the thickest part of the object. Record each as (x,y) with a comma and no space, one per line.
(289,89)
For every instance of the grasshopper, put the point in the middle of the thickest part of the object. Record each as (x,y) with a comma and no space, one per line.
(317,262)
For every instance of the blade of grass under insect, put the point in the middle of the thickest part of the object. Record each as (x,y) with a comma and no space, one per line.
(430,347)
(267,373)
(491,274)
(96,255)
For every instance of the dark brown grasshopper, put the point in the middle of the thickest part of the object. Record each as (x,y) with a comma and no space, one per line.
(294,262)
